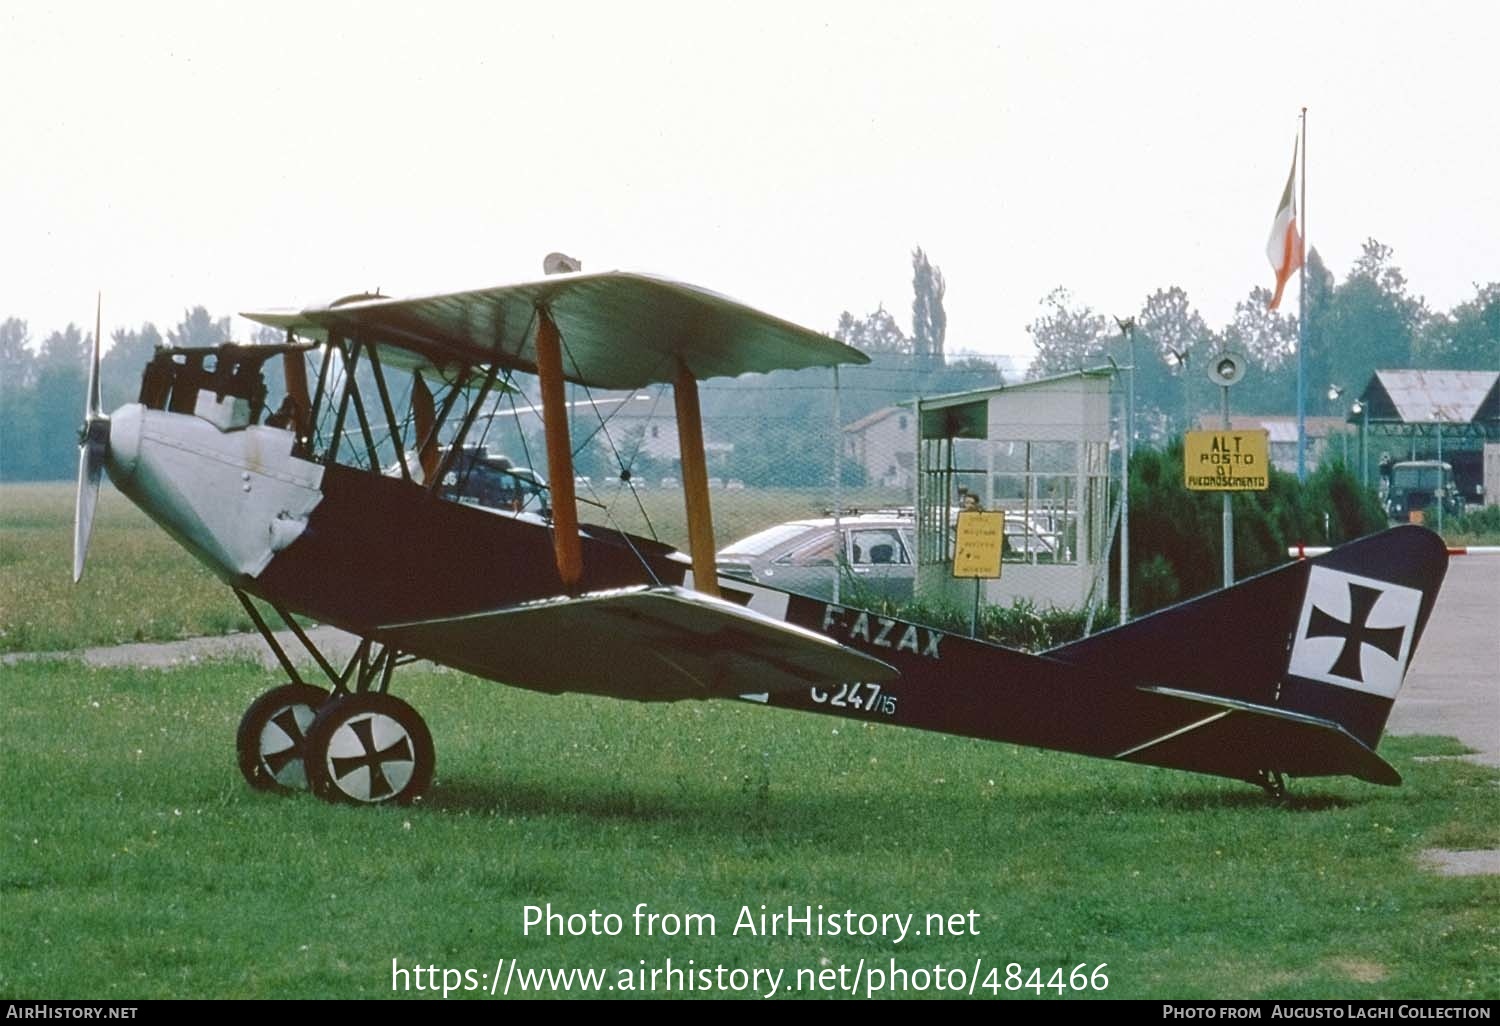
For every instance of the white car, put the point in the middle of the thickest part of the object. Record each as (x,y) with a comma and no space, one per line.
(875,554)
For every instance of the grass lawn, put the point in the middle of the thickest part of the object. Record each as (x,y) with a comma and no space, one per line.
(134,863)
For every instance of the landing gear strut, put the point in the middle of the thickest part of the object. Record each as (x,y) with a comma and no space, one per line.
(1273,783)
(354,743)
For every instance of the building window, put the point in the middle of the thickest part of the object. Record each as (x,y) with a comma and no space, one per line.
(1035,484)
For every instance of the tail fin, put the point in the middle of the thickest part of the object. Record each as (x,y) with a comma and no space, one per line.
(1318,642)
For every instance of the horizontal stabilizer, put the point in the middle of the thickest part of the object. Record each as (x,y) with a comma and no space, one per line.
(1242,739)
(649,644)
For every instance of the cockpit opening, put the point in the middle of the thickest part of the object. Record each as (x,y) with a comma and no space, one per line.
(221,384)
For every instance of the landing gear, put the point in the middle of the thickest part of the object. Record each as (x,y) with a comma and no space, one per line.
(355,743)
(273,734)
(369,749)
(1273,783)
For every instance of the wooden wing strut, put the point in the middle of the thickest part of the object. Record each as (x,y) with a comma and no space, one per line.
(566,544)
(425,415)
(700,521)
(295,373)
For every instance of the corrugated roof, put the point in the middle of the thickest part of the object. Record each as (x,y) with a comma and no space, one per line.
(938,402)
(1432,396)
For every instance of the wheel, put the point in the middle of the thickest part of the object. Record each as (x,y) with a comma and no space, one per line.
(369,749)
(272,734)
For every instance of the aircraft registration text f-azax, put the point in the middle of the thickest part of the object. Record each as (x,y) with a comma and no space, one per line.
(882,631)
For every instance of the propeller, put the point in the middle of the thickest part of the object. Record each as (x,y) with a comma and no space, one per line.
(93,448)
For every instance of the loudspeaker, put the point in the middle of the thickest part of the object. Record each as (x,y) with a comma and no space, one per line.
(1226,368)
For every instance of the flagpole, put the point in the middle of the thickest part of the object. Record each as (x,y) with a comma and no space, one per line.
(1302,319)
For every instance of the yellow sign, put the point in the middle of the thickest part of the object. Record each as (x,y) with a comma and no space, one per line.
(981,536)
(1227,461)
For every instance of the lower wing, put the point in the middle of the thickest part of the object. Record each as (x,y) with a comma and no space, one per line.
(649,644)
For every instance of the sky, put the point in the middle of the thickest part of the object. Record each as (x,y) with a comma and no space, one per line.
(790,155)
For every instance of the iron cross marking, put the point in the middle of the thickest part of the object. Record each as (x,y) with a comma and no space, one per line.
(1355,632)
(287,721)
(374,759)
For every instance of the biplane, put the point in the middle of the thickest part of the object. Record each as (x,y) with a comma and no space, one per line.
(342,506)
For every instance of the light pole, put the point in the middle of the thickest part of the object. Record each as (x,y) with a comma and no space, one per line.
(1360,410)
(1127,329)
(1442,491)
(1334,391)
(1225,370)
(1178,358)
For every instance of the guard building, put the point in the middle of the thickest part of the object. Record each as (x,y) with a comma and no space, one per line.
(1038,451)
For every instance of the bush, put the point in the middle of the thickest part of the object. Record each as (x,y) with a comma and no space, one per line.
(1482,526)
(1352,511)
(1156,584)
(1175,534)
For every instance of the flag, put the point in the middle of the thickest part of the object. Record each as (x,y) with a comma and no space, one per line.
(1284,248)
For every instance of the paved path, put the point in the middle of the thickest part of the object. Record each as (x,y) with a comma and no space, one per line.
(335,644)
(1453,685)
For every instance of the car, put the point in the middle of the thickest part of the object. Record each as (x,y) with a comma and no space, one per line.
(876,556)
(477,477)
(1037,537)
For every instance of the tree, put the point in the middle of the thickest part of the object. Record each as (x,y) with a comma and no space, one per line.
(1067,336)
(1370,323)
(1269,340)
(876,333)
(965,374)
(19,431)
(1317,333)
(273,370)
(1168,333)
(1267,337)
(67,349)
(198,329)
(59,397)
(120,370)
(1169,323)
(1467,338)
(17,363)
(929,321)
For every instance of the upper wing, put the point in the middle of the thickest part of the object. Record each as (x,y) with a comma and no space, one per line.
(620,330)
(651,644)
